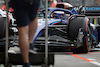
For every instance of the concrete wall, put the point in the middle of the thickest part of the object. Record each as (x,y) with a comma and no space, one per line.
(82,2)
(1,2)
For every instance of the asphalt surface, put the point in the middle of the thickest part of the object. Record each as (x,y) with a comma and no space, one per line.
(92,59)
(68,59)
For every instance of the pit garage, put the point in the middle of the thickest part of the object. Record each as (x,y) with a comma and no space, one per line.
(68,35)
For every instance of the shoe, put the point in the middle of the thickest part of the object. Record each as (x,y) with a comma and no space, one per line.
(31,49)
(26,65)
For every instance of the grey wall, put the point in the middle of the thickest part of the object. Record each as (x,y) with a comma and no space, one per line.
(82,2)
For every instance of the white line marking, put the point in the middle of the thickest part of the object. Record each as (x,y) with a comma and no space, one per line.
(91,59)
(96,63)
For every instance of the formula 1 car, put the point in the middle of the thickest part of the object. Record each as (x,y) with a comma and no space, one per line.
(67,30)
(62,35)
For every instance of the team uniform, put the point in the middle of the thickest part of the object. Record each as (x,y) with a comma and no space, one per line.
(24,12)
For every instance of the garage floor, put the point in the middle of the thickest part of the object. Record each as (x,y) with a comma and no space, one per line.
(68,59)
(92,59)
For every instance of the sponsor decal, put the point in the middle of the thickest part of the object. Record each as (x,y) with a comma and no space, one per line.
(93,8)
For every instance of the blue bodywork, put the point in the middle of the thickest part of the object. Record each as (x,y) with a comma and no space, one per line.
(58,19)
(51,21)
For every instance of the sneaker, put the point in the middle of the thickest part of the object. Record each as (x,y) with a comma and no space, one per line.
(26,65)
(31,46)
(31,49)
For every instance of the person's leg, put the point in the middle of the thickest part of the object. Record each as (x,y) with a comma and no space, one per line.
(24,43)
(33,12)
(32,29)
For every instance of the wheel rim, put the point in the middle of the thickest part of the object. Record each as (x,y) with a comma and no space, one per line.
(89,40)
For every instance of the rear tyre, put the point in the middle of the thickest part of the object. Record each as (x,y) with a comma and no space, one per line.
(87,42)
(2,27)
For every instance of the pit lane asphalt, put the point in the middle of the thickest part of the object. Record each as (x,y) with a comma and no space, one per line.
(68,59)
(92,59)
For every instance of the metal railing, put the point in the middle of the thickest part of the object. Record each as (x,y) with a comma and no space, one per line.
(6,50)
(46,36)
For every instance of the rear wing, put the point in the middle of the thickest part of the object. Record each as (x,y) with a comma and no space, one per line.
(92,11)
(88,10)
